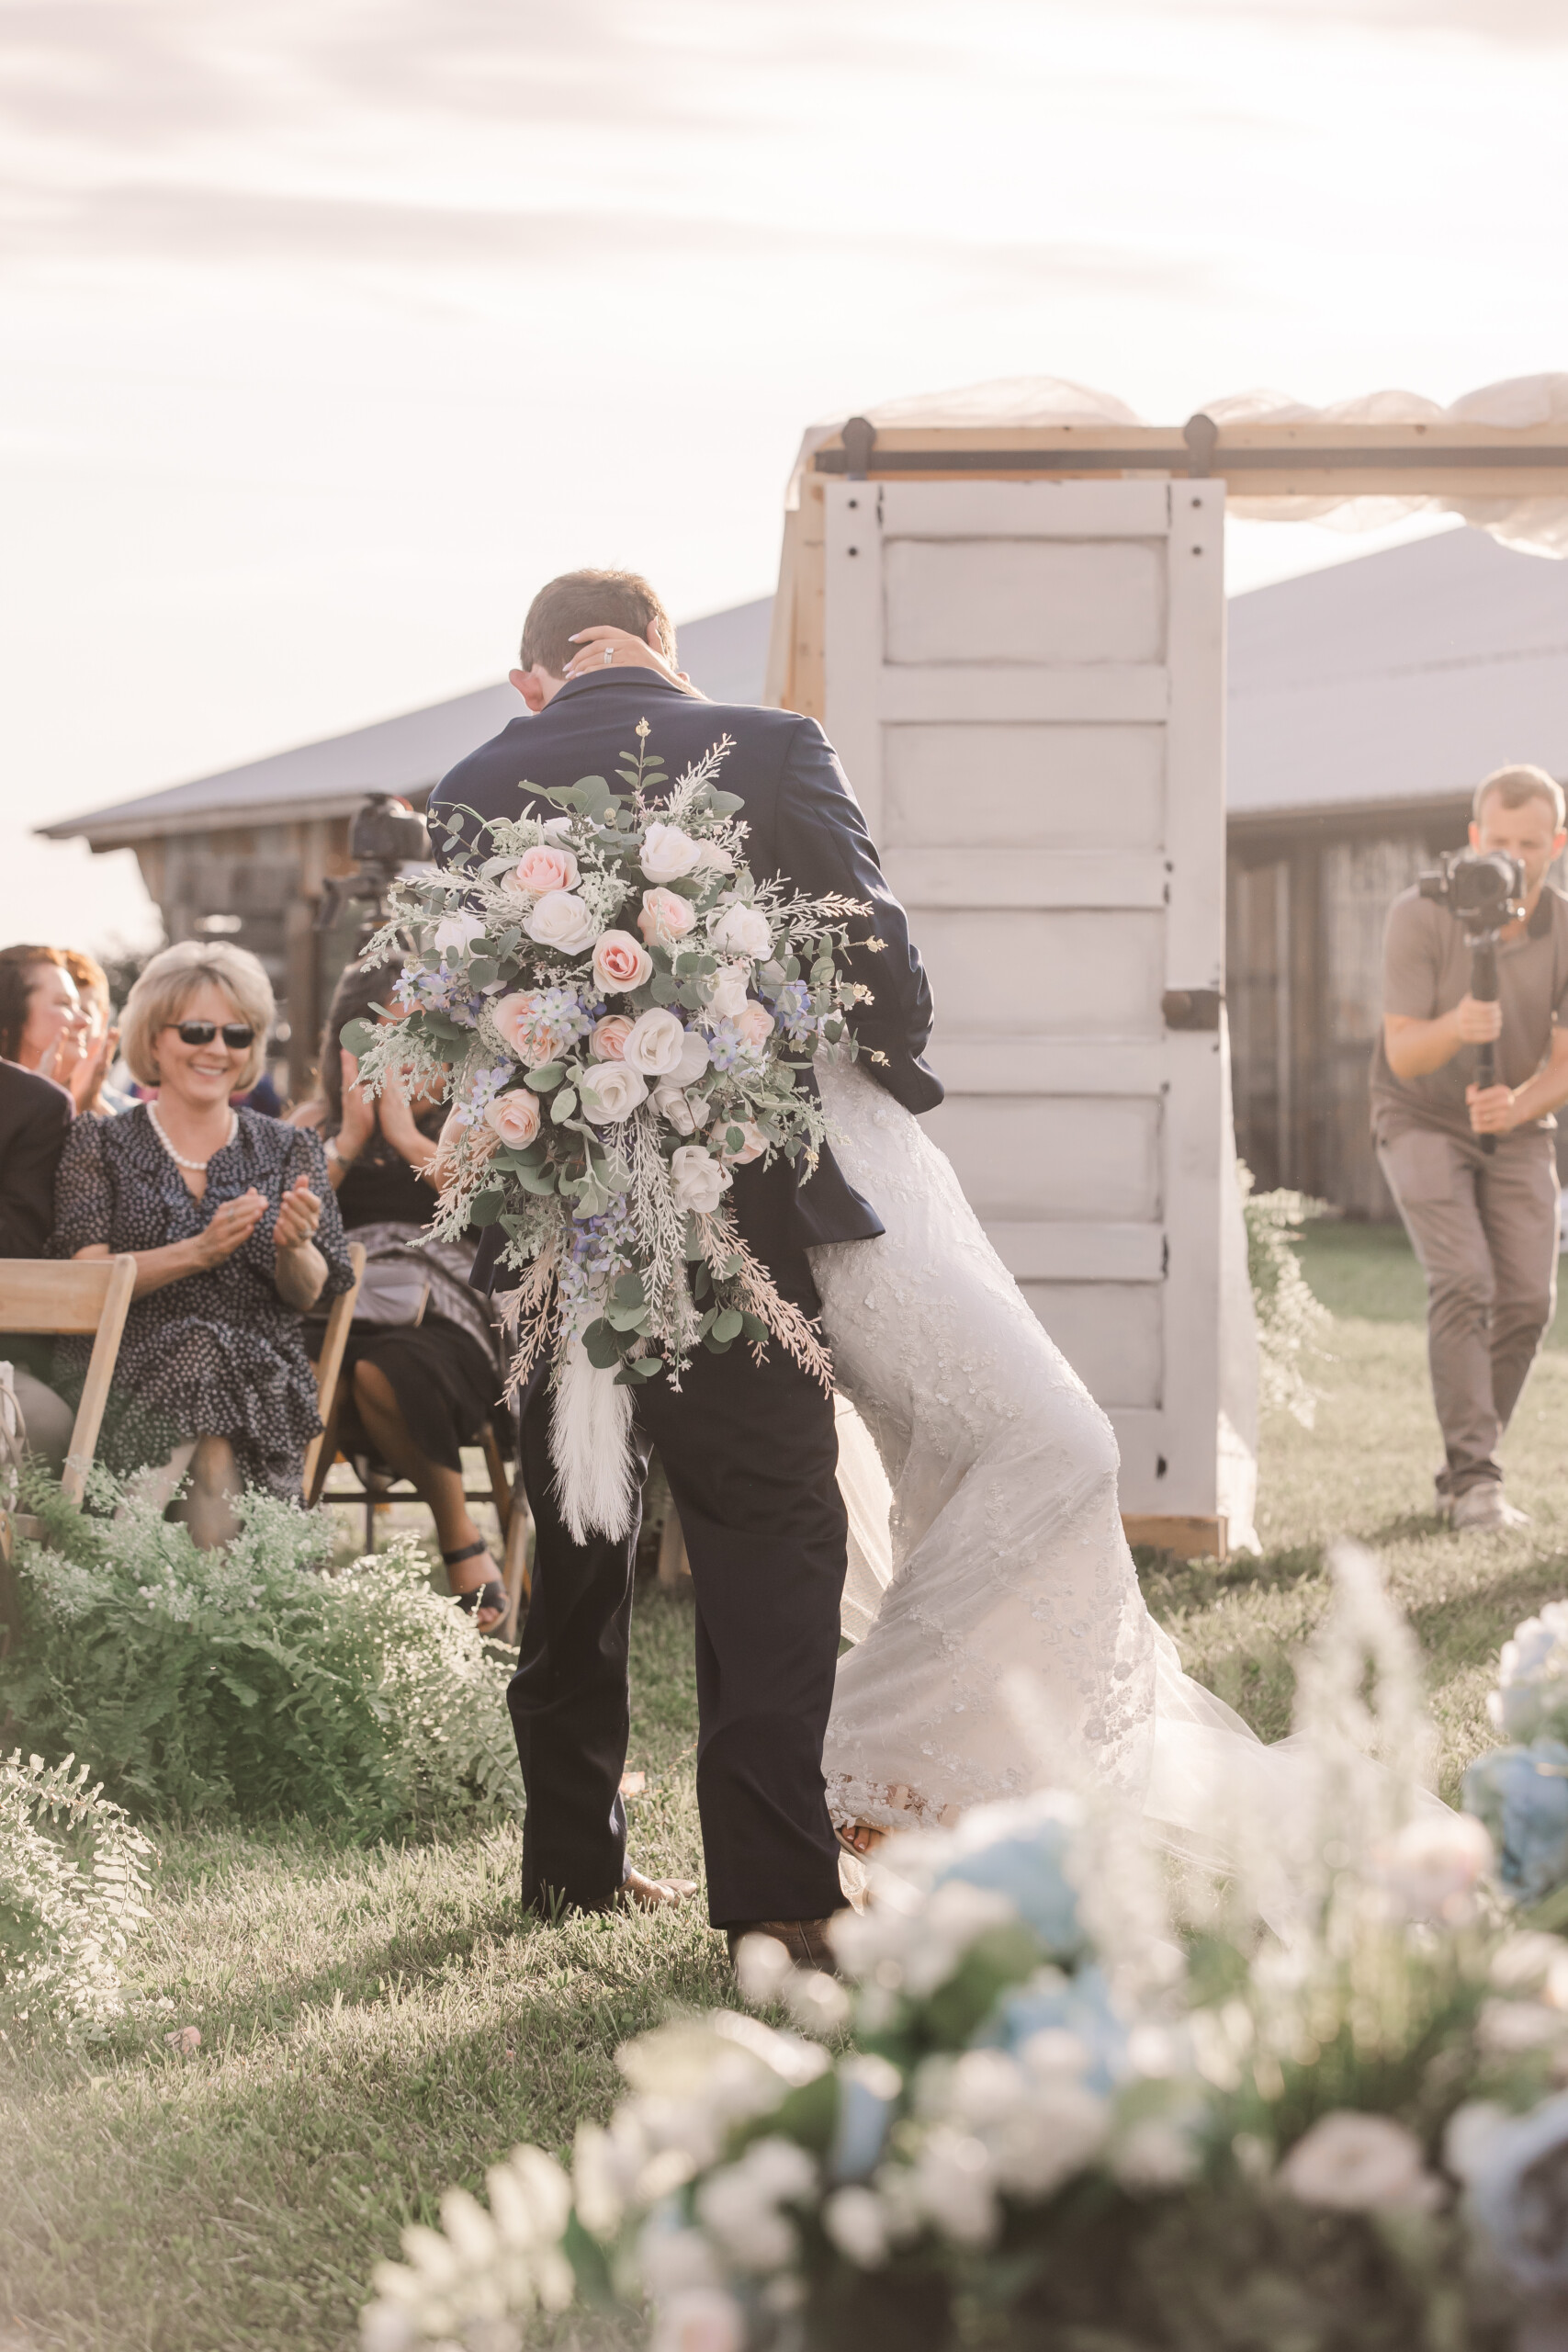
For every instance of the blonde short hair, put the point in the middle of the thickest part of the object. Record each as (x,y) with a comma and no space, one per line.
(166,987)
(1515,785)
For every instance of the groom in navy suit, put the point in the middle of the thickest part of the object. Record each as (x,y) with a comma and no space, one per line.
(749,1449)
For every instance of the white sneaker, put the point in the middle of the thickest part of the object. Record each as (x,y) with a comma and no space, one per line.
(1485,1507)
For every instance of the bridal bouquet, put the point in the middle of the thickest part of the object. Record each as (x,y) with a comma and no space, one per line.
(622,1014)
(1068,2121)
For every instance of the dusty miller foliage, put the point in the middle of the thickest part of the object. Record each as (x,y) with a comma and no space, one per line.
(1291,1321)
(72,1879)
(249,1683)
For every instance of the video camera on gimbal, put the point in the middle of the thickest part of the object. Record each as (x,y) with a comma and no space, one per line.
(1484,892)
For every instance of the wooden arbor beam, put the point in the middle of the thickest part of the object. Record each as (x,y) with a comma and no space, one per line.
(1267,459)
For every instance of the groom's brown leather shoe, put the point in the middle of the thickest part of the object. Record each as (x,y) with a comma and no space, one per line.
(806,1941)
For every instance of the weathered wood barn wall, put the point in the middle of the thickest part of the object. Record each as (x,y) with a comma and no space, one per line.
(245,855)
(1366,703)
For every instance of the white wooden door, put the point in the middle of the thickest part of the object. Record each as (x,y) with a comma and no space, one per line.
(1025,683)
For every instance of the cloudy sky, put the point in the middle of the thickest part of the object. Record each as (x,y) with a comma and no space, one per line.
(331,327)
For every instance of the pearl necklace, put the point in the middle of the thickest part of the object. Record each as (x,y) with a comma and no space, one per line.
(178,1157)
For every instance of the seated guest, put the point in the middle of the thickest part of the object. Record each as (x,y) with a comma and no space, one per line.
(236,1235)
(35,1119)
(42,1024)
(440,1377)
(90,1083)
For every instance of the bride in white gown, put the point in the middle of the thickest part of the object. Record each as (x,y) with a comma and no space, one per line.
(1002,1549)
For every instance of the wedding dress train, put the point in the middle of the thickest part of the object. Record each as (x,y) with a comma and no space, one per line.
(985,1535)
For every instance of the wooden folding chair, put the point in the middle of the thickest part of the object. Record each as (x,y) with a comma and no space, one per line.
(320,1453)
(77,1295)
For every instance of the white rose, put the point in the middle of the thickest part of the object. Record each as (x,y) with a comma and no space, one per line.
(694,1059)
(696,1179)
(741,931)
(610,1091)
(654,1044)
(711,859)
(726,991)
(1430,1868)
(456,934)
(1354,2162)
(560,920)
(671,1104)
(668,853)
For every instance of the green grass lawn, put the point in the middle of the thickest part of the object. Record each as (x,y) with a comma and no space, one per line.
(376,2025)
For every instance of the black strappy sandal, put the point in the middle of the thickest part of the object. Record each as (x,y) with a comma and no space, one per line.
(491,1595)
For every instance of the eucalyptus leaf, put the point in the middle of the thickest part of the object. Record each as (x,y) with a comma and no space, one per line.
(486,1209)
(564,1105)
(727,1325)
(358,1036)
(547,1075)
(601,1346)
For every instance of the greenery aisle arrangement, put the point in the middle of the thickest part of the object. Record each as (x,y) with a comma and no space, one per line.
(249,1682)
(73,1888)
(1067,2102)
(622,1015)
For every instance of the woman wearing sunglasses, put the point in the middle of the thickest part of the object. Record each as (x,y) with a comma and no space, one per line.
(236,1234)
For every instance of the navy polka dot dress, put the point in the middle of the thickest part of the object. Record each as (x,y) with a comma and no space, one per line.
(217,1353)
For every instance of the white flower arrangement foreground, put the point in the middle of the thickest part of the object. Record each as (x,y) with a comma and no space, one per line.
(1063,2104)
(622,1015)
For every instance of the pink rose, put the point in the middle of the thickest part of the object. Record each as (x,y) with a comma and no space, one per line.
(755,1024)
(513,1118)
(620,963)
(608,1041)
(665,918)
(521,1021)
(545,868)
(754,1146)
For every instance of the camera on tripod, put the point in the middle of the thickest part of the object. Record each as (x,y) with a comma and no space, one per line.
(1482,889)
(1484,892)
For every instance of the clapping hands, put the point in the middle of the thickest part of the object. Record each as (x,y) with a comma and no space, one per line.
(298,1217)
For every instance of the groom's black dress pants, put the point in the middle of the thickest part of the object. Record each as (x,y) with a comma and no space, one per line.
(752,1455)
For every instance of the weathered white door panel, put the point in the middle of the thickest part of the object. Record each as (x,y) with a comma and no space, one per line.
(1024,682)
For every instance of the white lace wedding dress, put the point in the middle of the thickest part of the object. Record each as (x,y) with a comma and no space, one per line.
(999,1551)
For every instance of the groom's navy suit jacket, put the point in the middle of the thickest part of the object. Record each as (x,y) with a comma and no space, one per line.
(805,825)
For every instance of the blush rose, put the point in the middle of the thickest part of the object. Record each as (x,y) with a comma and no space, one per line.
(665,918)
(607,1040)
(755,1024)
(621,962)
(513,1118)
(545,868)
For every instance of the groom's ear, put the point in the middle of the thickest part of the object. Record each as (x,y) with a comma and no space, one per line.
(532,688)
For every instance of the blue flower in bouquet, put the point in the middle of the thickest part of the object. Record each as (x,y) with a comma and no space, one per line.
(1522,1794)
(1515,2168)
(1051,2003)
(1021,1851)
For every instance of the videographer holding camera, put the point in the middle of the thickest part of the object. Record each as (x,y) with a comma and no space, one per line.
(1470,1065)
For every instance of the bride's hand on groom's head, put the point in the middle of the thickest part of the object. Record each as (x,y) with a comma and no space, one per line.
(625,651)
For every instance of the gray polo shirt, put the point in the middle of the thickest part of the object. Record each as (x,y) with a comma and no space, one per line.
(1425,972)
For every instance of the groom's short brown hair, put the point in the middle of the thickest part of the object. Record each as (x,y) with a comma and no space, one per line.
(589,600)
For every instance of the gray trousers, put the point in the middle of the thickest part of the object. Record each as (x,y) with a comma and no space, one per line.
(1485,1232)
